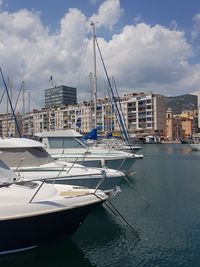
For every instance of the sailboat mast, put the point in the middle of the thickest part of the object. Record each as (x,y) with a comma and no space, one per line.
(23,100)
(7,109)
(91,100)
(29,102)
(95,76)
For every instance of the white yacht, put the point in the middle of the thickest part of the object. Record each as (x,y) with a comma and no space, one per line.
(33,212)
(68,145)
(30,160)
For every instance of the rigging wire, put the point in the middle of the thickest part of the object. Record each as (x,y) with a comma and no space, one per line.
(122,113)
(10,102)
(112,92)
(2,96)
(16,102)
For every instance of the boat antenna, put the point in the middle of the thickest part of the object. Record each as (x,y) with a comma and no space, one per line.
(95,75)
(10,102)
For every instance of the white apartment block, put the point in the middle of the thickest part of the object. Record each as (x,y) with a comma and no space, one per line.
(144,113)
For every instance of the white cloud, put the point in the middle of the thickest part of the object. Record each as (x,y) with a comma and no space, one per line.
(140,57)
(196,26)
(108,14)
(147,57)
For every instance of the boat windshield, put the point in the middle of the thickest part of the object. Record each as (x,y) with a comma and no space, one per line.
(66,142)
(25,157)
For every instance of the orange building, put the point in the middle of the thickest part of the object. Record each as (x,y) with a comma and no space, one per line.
(179,126)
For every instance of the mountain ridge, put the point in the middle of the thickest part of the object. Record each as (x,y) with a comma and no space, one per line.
(181,103)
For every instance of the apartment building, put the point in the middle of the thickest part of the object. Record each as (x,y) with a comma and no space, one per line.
(65,117)
(145,113)
(8,127)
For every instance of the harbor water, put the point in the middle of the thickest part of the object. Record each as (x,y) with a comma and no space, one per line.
(161,201)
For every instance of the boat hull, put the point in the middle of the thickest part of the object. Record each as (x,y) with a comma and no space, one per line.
(20,233)
(106,184)
(106,181)
(120,164)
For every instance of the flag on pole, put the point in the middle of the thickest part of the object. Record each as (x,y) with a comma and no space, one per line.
(51,80)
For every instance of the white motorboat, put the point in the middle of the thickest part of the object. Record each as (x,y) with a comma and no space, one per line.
(30,160)
(68,145)
(32,213)
(195,146)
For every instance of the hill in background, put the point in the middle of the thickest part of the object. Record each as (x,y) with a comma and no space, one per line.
(182,103)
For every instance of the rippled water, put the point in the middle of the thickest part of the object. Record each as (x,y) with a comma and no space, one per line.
(161,201)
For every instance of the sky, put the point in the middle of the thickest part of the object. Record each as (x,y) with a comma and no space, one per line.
(147,45)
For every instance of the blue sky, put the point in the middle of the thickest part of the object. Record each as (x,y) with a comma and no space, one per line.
(151,11)
(149,45)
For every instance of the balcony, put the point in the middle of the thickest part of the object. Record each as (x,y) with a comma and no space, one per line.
(142,116)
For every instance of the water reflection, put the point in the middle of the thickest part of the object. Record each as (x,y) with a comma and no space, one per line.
(95,233)
(63,253)
(176,148)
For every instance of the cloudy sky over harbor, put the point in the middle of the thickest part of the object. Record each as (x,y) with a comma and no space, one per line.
(147,45)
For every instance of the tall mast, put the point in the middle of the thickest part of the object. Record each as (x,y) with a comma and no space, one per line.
(7,109)
(95,76)
(29,101)
(29,110)
(23,100)
(91,98)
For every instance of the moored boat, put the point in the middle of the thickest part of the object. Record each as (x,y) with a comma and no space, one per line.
(33,212)
(67,145)
(30,160)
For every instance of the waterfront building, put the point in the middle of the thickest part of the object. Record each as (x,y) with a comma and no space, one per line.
(87,118)
(28,125)
(59,96)
(180,126)
(144,113)
(198,104)
(59,118)
(8,126)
